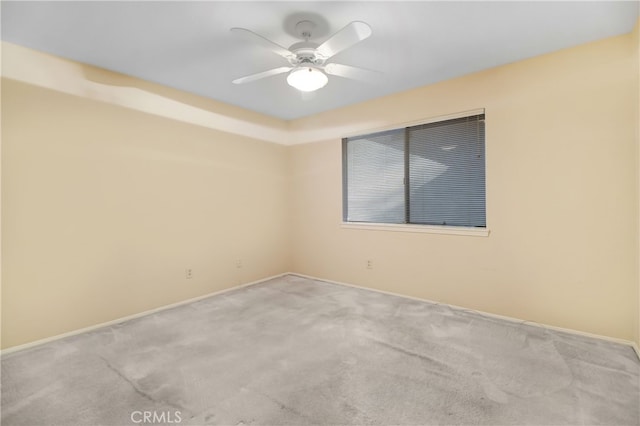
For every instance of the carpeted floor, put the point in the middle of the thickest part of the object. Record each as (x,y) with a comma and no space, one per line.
(295,351)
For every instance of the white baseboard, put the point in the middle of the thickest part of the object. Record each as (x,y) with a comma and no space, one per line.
(486,314)
(215,293)
(130,317)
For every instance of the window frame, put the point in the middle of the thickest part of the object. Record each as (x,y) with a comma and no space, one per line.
(412,227)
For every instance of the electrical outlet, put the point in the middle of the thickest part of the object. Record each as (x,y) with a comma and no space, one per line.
(239,263)
(188,273)
(369,264)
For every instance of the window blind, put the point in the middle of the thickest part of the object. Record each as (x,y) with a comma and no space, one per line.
(447,173)
(427,174)
(375,173)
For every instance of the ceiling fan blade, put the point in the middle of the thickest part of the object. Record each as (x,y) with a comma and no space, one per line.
(258,76)
(348,36)
(266,43)
(354,73)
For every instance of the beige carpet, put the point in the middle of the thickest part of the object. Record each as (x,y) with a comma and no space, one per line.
(295,351)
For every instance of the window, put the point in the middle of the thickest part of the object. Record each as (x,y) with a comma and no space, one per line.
(430,174)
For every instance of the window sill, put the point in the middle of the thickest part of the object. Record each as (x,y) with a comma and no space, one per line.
(429,229)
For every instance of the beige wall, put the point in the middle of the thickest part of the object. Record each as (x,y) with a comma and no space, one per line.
(106,199)
(104,207)
(561,195)
(636,70)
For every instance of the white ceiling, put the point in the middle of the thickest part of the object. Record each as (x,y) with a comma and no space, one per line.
(188,45)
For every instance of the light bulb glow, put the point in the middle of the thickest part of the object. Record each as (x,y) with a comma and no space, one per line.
(307,79)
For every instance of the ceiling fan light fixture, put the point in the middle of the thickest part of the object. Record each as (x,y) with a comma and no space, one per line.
(307,79)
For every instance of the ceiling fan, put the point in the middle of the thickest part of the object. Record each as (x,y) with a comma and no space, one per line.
(308,67)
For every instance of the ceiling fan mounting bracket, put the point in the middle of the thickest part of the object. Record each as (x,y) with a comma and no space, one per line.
(304,29)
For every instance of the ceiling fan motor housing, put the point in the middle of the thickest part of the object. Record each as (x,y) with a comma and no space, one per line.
(305,52)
